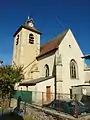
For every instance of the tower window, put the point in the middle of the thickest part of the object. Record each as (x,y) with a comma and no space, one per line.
(17,40)
(46,70)
(70,46)
(31,38)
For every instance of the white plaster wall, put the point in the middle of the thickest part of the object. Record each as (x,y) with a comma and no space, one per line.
(17,49)
(29,51)
(49,61)
(24,88)
(39,97)
(31,88)
(41,87)
(67,54)
(87,75)
(17,87)
(25,53)
(81,90)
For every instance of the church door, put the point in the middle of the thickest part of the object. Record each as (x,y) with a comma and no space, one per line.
(48,93)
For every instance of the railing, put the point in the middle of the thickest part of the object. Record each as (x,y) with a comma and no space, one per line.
(40,98)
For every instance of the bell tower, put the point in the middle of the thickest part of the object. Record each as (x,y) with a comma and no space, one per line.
(26,43)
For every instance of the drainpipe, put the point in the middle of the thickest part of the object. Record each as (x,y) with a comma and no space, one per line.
(55,83)
(55,77)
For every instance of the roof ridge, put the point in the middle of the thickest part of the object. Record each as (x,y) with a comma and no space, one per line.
(64,32)
(52,45)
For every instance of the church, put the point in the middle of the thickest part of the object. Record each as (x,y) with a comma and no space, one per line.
(51,68)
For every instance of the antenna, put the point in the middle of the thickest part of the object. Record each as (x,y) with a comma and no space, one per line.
(60,23)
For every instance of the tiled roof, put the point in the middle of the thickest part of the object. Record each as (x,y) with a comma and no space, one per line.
(34,81)
(52,45)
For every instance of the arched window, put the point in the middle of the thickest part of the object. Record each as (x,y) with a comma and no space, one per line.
(46,70)
(31,38)
(73,69)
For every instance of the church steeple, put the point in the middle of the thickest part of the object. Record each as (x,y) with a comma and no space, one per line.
(28,47)
(29,25)
(29,22)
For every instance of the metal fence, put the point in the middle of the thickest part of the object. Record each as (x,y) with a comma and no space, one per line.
(42,98)
(39,98)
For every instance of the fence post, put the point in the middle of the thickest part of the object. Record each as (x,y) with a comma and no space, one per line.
(76,107)
(25,107)
(42,97)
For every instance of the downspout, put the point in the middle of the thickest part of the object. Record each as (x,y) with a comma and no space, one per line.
(55,82)
(54,75)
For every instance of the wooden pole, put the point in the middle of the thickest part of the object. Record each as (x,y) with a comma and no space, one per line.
(76,107)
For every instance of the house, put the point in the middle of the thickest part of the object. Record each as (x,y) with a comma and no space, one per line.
(51,68)
(83,90)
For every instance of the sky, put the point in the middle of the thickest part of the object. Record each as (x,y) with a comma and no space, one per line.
(51,17)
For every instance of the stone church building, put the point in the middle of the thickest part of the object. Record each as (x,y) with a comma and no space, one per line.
(53,67)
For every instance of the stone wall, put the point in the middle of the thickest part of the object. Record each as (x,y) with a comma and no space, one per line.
(39,113)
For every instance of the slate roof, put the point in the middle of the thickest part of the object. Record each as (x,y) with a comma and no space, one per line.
(34,81)
(25,25)
(52,44)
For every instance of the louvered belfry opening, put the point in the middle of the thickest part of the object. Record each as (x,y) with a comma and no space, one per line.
(17,40)
(31,38)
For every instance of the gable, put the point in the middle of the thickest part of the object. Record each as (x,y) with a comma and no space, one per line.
(70,44)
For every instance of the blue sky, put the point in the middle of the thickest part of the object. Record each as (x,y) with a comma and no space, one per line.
(51,17)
